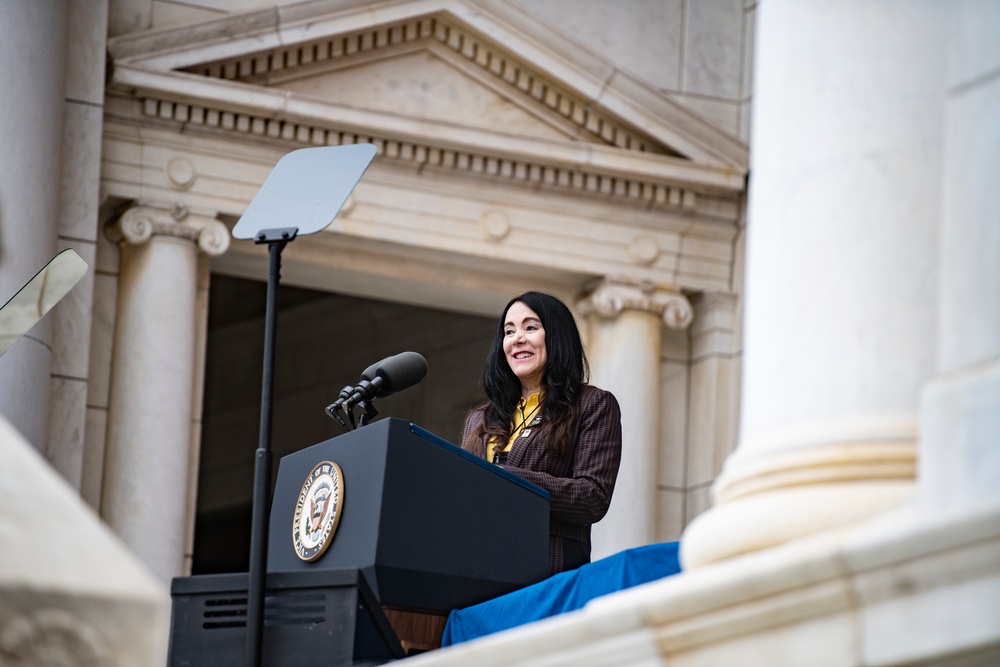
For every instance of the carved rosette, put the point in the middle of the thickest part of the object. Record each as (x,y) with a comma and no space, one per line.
(615,295)
(141,223)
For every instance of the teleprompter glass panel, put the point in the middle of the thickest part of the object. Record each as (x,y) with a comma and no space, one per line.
(39,295)
(306,189)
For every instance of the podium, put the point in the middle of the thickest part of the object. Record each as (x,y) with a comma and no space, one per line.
(423,527)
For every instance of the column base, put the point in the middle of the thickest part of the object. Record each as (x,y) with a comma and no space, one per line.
(776,517)
(769,500)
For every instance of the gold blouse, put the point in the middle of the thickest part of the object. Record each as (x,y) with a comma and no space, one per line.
(524,413)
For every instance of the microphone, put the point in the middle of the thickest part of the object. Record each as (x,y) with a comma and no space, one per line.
(369,373)
(348,391)
(392,374)
(396,373)
(400,372)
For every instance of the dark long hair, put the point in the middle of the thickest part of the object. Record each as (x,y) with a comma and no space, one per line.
(565,373)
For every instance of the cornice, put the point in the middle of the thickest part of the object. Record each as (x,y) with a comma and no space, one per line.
(214,105)
(565,78)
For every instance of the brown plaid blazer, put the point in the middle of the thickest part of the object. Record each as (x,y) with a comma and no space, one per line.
(581,484)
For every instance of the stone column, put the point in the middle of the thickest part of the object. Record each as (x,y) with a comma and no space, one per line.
(33,38)
(79,227)
(713,397)
(960,412)
(145,492)
(626,322)
(841,272)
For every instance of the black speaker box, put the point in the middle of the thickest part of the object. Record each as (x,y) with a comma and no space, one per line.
(327,617)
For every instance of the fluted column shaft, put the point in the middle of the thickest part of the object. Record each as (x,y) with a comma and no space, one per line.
(625,334)
(144,497)
(841,273)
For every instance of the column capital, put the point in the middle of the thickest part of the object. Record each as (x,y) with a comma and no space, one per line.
(615,294)
(140,223)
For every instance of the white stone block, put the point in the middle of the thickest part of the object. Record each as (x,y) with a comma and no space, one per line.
(88,25)
(24,369)
(670,515)
(969,319)
(971,32)
(960,429)
(67,416)
(673,421)
(713,48)
(711,430)
(92,475)
(66,582)
(644,36)
(72,319)
(173,15)
(746,120)
(102,338)
(825,641)
(749,37)
(945,603)
(697,499)
(723,113)
(703,243)
(79,188)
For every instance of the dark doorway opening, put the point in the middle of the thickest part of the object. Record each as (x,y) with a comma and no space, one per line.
(323,342)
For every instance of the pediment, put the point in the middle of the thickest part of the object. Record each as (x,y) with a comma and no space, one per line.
(424,84)
(444,81)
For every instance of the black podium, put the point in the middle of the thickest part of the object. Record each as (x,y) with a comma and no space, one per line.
(424,527)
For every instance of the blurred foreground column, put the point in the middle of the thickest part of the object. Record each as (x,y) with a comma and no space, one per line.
(960,415)
(33,49)
(842,272)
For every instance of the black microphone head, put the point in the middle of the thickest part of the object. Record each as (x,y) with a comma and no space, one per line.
(400,372)
(370,372)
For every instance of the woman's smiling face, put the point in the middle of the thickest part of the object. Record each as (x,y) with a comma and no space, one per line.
(524,346)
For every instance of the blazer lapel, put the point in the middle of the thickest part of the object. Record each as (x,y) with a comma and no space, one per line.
(522,445)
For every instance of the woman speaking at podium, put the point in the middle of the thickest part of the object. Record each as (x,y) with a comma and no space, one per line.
(543,422)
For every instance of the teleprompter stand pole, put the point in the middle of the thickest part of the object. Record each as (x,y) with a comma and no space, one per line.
(276,239)
(309,186)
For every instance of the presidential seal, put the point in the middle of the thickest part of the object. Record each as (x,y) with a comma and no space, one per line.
(317,511)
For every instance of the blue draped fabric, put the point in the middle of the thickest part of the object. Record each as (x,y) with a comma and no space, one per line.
(563,592)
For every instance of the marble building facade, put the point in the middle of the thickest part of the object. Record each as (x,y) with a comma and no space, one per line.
(599,151)
(499,139)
